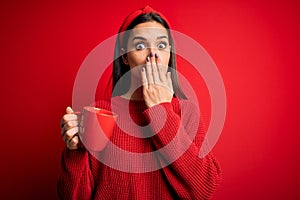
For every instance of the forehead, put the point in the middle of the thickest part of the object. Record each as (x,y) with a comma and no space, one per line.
(149,30)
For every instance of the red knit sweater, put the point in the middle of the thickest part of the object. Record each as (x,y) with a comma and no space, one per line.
(189,177)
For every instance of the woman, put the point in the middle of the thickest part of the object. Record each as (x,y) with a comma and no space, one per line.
(143,82)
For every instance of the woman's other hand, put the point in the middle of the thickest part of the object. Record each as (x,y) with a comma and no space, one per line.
(157,82)
(69,129)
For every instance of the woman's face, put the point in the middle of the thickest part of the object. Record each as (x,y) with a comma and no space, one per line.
(146,38)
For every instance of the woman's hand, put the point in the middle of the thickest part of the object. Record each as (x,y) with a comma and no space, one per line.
(69,129)
(157,82)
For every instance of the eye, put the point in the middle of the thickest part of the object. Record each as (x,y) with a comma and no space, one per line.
(140,46)
(162,45)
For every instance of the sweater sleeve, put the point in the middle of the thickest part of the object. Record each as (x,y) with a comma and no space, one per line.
(190,176)
(76,180)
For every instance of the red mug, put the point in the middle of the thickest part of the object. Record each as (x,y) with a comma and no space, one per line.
(96,127)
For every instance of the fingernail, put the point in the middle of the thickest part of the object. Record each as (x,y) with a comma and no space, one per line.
(143,69)
(156,55)
(147,59)
(151,54)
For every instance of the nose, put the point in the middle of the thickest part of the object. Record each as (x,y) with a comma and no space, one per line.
(152,51)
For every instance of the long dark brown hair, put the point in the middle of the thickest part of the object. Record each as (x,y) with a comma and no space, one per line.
(119,68)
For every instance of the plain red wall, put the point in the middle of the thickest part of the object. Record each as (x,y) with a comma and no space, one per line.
(254,44)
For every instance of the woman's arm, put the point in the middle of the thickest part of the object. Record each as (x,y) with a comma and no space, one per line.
(190,176)
(76,180)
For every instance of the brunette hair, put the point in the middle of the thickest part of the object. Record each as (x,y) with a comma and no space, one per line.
(119,68)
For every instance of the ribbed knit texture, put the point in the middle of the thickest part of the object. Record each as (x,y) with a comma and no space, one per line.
(188,177)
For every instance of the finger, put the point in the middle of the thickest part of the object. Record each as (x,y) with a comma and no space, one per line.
(73,143)
(64,118)
(70,133)
(70,124)
(154,69)
(169,79)
(69,110)
(162,70)
(69,117)
(66,124)
(144,78)
(149,72)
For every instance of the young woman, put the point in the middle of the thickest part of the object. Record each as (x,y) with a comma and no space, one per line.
(143,83)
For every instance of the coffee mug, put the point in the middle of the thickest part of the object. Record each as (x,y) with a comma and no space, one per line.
(96,127)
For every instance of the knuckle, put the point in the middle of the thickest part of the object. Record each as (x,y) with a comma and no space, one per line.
(65,117)
(73,142)
(70,123)
(69,133)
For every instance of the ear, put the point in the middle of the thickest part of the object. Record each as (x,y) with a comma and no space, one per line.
(124,56)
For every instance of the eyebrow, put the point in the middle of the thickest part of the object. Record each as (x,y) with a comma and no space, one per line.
(142,38)
(161,37)
(138,38)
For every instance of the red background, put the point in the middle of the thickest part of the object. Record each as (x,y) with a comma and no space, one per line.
(254,45)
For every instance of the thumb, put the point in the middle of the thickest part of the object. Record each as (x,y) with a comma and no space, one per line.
(69,110)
